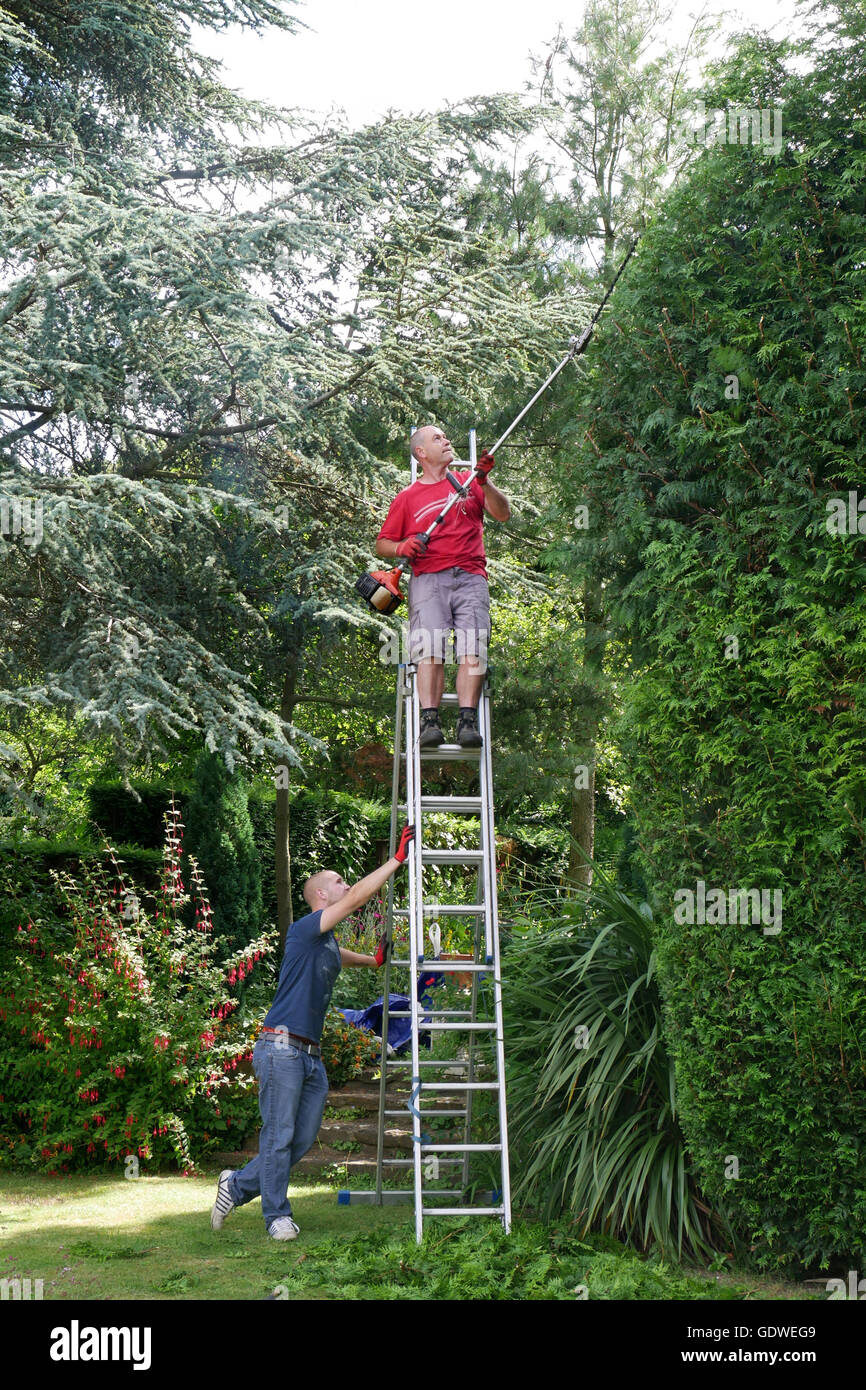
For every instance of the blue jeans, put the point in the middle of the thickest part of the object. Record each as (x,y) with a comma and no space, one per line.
(292,1090)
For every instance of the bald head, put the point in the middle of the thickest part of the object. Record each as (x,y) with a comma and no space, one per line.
(316,890)
(419,438)
(432,449)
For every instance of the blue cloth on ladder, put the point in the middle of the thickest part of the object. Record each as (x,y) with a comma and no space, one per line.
(399,1029)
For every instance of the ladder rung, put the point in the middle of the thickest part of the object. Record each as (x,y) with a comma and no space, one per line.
(440,1013)
(462,1211)
(433,966)
(446,909)
(461,1148)
(452,856)
(471,804)
(449,697)
(463,1027)
(407,1062)
(392,1195)
(459,1085)
(442,1062)
(409,1162)
(451,803)
(427,1113)
(449,753)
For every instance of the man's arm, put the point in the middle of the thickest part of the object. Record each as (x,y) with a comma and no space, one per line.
(353,958)
(362,891)
(393,530)
(495,502)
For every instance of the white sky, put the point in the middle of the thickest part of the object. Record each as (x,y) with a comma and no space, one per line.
(367,56)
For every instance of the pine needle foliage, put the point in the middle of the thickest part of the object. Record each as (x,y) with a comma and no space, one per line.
(217,323)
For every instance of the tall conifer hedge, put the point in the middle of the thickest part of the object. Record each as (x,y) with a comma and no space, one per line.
(724,426)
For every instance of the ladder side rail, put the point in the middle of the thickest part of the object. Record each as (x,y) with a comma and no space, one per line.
(488,841)
(413,803)
(416,927)
(470,1073)
(389,929)
(490,861)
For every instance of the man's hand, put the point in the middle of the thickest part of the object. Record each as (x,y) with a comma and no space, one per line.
(382,948)
(483,466)
(411,548)
(405,841)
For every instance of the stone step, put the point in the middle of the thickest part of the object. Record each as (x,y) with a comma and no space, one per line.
(361,1097)
(368,1102)
(397,1136)
(361,1161)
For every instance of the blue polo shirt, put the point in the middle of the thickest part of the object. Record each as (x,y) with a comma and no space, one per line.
(311,964)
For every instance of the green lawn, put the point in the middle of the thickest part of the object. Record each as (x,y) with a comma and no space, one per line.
(107,1238)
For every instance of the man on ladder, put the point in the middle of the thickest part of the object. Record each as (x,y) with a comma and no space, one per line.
(448,590)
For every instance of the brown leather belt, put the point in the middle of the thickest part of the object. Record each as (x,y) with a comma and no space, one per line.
(306,1044)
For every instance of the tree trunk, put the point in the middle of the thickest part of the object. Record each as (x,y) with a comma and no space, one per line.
(582,828)
(583,796)
(282,837)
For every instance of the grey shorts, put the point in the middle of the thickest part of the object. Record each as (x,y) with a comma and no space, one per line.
(449,601)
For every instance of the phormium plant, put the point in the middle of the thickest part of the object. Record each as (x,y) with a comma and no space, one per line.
(591,1094)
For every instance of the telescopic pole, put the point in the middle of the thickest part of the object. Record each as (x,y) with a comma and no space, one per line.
(576,346)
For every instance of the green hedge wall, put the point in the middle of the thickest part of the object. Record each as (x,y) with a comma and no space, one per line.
(116,813)
(218,834)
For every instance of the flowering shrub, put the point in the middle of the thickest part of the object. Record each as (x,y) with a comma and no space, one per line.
(119,1035)
(346,1050)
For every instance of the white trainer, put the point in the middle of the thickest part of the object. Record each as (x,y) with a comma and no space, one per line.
(223,1206)
(284,1228)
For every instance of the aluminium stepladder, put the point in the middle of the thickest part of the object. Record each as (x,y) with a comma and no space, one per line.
(480,1064)
(431,1078)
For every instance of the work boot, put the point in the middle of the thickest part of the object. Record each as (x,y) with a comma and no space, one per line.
(467,729)
(431,734)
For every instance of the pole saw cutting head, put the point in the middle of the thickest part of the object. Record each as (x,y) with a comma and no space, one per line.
(381,589)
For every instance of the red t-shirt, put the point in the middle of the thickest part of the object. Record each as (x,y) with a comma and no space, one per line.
(458,541)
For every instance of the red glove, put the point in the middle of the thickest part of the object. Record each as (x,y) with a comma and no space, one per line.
(411,548)
(382,949)
(483,467)
(405,841)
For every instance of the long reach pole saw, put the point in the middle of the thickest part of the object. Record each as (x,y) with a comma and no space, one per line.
(381,588)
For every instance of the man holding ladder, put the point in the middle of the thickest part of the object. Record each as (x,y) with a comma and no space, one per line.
(287,1057)
(448,590)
